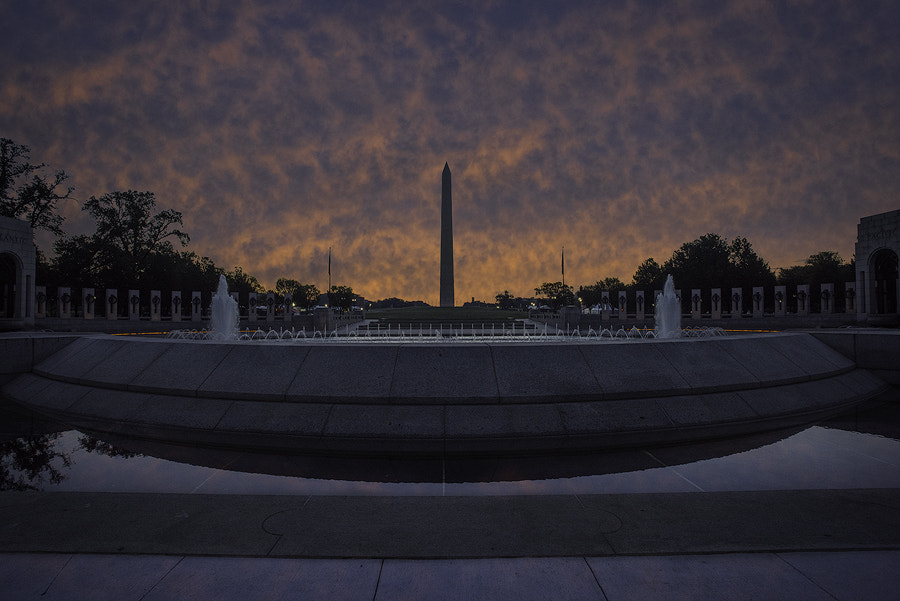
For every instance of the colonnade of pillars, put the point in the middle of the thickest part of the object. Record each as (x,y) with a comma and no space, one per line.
(715,304)
(260,307)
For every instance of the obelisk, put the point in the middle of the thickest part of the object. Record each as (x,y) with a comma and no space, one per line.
(446,240)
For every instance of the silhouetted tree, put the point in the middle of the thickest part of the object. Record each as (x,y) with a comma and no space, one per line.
(504,300)
(557,294)
(708,262)
(242,282)
(27,462)
(702,263)
(592,295)
(341,296)
(820,268)
(184,271)
(825,267)
(74,263)
(305,296)
(286,286)
(13,165)
(749,269)
(129,237)
(649,276)
(92,444)
(395,303)
(26,192)
(711,261)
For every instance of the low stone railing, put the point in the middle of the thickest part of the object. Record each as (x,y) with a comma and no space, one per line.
(112,304)
(634,306)
(263,310)
(824,302)
(717,303)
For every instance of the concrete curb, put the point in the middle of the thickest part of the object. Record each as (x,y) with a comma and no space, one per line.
(451,527)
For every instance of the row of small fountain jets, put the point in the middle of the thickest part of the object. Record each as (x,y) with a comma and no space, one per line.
(224,326)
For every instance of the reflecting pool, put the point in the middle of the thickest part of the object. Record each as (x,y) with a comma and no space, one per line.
(857,450)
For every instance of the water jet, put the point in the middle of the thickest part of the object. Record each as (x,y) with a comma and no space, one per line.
(668,312)
(225,316)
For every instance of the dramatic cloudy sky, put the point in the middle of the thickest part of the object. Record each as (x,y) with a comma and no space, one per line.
(619,130)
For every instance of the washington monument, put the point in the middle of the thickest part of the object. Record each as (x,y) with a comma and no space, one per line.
(446,240)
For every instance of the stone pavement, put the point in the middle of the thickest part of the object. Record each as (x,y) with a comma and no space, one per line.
(813,544)
(801,576)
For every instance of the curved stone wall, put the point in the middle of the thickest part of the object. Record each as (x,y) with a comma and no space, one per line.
(449,398)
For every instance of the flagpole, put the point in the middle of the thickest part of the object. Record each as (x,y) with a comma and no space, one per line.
(563,255)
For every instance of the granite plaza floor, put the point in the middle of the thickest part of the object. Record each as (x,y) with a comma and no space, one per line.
(800,576)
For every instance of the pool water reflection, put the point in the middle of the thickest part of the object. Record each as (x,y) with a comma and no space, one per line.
(858,450)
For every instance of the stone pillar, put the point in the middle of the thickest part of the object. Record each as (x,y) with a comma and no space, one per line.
(737,303)
(780,300)
(196,306)
(827,295)
(653,302)
(252,303)
(288,308)
(850,297)
(87,296)
(155,305)
(322,319)
(270,307)
(134,304)
(623,305)
(758,301)
(570,318)
(860,301)
(696,303)
(237,301)
(604,306)
(64,302)
(716,298)
(27,296)
(639,305)
(40,299)
(803,299)
(175,305)
(112,303)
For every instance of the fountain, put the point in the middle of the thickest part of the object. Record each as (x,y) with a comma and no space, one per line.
(668,312)
(438,392)
(225,318)
(225,326)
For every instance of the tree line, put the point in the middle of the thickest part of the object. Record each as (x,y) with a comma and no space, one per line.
(135,244)
(710,261)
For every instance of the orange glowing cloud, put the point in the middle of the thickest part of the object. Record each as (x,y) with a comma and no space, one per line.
(283,130)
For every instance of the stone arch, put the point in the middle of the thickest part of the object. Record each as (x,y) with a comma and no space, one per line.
(883,265)
(10,284)
(17,271)
(877,283)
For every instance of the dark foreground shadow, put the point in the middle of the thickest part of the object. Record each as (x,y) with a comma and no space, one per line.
(29,459)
